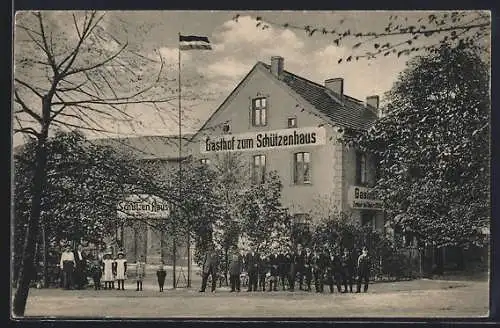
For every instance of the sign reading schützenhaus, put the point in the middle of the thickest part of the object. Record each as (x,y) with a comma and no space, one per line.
(263,140)
(143,206)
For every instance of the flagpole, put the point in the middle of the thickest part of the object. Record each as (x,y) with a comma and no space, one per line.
(180,170)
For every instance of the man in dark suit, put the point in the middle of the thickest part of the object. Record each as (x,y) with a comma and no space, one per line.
(283,268)
(291,260)
(209,267)
(319,267)
(334,270)
(274,272)
(235,267)
(307,272)
(364,265)
(262,268)
(160,276)
(80,268)
(299,265)
(347,270)
(252,267)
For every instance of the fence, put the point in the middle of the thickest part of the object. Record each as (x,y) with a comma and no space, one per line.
(402,264)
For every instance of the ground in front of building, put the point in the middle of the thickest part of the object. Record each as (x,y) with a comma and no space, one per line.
(418,298)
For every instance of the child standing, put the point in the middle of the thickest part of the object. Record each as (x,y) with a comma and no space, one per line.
(140,272)
(96,272)
(121,270)
(107,268)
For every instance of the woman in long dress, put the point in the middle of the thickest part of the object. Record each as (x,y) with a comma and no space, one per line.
(107,270)
(121,270)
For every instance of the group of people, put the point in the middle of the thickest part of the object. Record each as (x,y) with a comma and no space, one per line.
(319,267)
(76,267)
(325,266)
(111,270)
(73,268)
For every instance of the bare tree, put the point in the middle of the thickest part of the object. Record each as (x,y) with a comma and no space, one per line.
(70,73)
(405,33)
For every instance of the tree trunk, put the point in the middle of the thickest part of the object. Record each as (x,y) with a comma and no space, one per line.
(174,256)
(27,266)
(45,257)
(226,269)
(189,260)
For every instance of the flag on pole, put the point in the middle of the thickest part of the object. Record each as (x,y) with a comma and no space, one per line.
(193,42)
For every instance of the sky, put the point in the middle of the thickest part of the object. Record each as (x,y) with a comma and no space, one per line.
(210,76)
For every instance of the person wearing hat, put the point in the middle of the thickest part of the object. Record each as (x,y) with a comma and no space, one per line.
(107,269)
(363,270)
(67,265)
(121,270)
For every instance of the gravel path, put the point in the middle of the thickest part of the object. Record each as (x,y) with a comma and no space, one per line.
(420,298)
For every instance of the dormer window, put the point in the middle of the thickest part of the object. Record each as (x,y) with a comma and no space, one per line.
(259,111)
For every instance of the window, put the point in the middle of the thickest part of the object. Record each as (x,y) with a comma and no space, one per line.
(205,161)
(302,163)
(368,219)
(226,128)
(258,168)
(259,111)
(292,122)
(361,169)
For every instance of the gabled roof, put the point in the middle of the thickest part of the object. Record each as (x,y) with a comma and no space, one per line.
(347,112)
(147,147)
(204,126)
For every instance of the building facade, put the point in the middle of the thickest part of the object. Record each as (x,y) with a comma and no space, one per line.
(276,120)
(141,237)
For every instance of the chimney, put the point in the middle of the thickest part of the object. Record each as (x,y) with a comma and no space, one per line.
(336,85)
(372,102)
(277,65)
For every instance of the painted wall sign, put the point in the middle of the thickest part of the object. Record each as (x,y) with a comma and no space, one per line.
(264,140)
(144,206)
(364,198)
